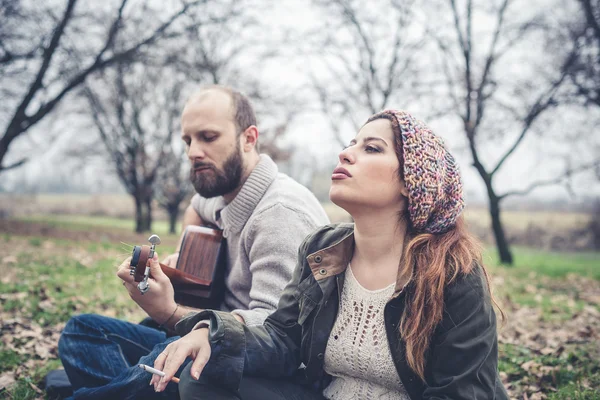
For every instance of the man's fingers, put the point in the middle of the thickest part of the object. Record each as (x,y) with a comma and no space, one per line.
(199,362)
(129,286)
(155,269)
(171,260)
(123,270)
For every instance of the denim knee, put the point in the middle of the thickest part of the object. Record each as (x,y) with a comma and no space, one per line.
(76,325)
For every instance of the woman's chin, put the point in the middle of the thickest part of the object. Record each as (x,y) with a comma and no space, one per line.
(339,199)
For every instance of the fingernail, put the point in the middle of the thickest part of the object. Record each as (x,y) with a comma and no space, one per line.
(196,375)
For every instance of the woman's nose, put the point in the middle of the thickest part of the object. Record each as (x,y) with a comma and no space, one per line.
(346,156)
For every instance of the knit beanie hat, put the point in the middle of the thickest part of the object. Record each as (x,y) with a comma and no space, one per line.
(435,194)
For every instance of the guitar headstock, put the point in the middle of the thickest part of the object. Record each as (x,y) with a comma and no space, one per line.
(138,267)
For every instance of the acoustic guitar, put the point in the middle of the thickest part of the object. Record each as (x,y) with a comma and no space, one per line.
(199,277)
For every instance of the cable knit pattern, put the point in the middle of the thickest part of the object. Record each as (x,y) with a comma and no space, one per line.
(357,354)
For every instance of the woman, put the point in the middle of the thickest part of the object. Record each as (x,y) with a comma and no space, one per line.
(394,306)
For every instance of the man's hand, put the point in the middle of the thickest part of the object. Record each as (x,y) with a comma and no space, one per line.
(171,260)
(194,345)
(159,300)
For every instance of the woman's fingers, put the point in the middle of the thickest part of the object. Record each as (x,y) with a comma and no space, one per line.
(159,364)
(195,345)
(172,364)
(200,361)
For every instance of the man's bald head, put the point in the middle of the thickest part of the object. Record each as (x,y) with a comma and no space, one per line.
(242,112)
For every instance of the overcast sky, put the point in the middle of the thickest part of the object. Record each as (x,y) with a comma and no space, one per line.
(536,159)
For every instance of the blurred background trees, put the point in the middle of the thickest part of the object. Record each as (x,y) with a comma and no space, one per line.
(93,92)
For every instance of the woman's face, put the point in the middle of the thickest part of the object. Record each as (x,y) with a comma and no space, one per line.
(367,172)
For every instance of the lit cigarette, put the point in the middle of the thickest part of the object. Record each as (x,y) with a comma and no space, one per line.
(156,372)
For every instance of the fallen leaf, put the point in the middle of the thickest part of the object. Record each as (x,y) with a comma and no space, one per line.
(7,380)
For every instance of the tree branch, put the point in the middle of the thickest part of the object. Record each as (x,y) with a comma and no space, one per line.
(553,181)
(544,101)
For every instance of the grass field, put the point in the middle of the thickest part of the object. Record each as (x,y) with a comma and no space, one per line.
(549,344)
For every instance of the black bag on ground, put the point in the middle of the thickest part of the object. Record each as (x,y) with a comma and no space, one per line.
(58,385)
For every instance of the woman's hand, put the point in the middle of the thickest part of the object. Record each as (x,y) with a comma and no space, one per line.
(194,345)
(159,300)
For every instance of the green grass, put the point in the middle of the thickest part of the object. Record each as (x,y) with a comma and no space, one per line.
(60,278)
(9,359)
(552,264)
(567,372)
(23,389)
(58,286)
(84,222)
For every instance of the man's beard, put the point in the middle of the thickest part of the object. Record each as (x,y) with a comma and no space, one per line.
(218,182)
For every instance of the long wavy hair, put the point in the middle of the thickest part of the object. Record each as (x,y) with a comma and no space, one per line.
(437,260)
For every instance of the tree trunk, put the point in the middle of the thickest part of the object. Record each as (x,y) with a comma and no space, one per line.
(148,220)
(501,244)
(173,214)
(139,215)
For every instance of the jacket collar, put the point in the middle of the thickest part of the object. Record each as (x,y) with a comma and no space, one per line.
(334,259)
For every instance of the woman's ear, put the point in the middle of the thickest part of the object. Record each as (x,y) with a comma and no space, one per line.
(403,189)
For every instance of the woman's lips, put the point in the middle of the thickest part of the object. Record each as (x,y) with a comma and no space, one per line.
(340,173)
(336,177)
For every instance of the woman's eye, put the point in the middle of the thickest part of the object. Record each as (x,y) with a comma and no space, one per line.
(372,149)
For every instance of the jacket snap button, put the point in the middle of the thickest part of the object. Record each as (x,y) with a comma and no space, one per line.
(318,259)
(323,271)
(320,356)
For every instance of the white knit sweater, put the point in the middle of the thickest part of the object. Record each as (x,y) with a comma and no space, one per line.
(357,354)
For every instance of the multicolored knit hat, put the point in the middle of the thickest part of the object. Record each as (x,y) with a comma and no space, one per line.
(435,194)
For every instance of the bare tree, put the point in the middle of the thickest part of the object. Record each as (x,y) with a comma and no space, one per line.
(367,60)
(498,104)
(173,185)
(40,69)
(134,117)
(584,72)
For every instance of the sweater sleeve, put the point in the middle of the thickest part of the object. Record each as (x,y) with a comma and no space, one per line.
(272,245)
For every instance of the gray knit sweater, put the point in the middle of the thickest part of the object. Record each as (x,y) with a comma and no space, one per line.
(264,226)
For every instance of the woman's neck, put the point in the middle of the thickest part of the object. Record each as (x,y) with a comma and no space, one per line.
(379,239)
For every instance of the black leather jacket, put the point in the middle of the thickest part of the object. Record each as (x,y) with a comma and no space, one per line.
(462,361)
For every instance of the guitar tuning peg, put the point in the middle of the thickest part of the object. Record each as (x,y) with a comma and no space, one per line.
(154,239)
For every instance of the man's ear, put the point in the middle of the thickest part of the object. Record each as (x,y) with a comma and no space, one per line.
(249,138)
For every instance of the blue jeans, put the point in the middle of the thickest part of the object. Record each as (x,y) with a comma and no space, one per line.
(100,356)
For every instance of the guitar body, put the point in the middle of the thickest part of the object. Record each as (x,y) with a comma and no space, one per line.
(202,261)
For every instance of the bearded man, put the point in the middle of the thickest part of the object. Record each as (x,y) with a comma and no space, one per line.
(264,216)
